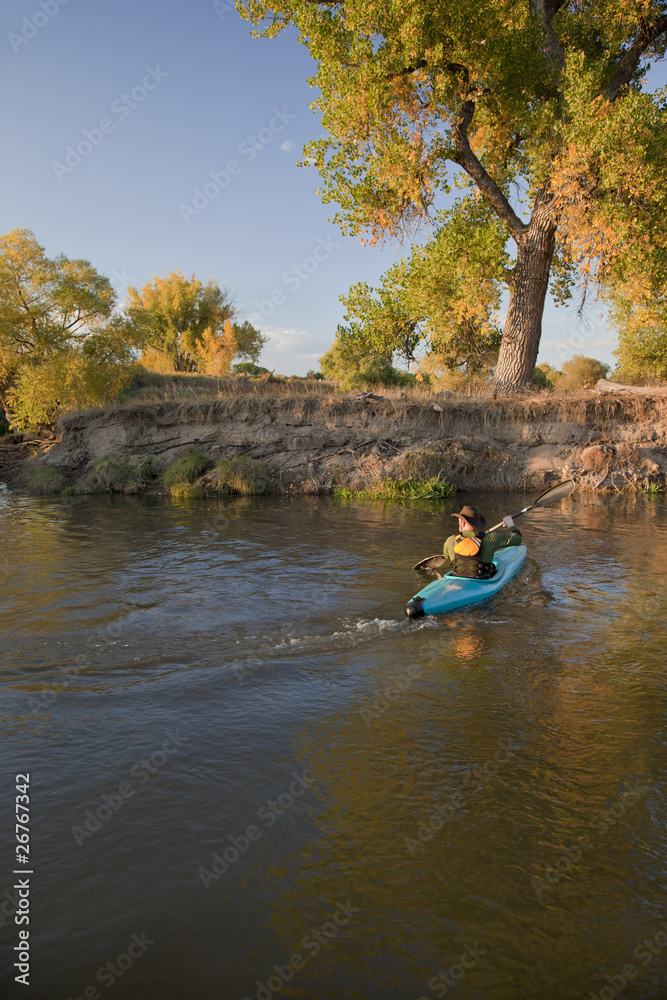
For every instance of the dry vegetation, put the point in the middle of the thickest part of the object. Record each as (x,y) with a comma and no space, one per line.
(308,437)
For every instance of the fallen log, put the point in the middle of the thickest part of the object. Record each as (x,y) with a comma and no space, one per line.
(603,385)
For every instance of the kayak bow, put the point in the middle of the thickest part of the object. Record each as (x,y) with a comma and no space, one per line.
(457,591)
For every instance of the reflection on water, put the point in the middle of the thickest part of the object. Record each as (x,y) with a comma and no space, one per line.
(252,776)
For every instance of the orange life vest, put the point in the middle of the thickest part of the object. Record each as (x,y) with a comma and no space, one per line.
(467,561)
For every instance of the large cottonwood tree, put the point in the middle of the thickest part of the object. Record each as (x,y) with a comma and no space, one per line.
(536,104)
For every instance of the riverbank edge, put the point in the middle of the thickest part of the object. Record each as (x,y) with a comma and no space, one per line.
(314,444)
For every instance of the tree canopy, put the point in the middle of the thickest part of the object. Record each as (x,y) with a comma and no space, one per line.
(642,328)
(47,305)
(183,325)
(60,345)
(533,110)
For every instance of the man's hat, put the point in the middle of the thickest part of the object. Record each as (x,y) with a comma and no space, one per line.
(473,516)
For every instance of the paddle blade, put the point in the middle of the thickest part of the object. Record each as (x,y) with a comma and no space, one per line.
(554,493)
(431,562)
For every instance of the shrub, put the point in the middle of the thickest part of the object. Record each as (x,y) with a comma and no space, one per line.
(45,479)
(357,368)
(69,380)
(240,475)
(581,372)
(248,368)
(115,475)
(185,469)
(541,380)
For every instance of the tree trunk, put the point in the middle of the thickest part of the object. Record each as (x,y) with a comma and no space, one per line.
(528,289)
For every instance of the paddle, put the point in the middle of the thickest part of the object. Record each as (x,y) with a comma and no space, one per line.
(554,493)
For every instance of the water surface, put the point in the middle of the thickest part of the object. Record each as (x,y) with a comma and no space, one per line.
(241,751)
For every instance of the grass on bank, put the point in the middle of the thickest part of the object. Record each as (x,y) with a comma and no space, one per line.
(433,488)
(244,476)
(46,479)
(117,475)
(179,477)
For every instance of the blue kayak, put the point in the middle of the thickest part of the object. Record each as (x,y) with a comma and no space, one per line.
(456,591)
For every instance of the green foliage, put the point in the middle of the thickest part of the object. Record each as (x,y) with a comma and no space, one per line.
(46,305)
(249,342)
(71,379)
(185,469)
(248,368)
(311,373)
(182,325)
(581,373)
(171,317)
(642,342)
(240,475)
(45,479)
(541,379)
(357,368)
(433,488)
(442,298)
(552,376)
(60,346)
(117,475)
(537,107)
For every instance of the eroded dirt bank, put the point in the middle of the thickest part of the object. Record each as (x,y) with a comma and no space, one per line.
(312,444)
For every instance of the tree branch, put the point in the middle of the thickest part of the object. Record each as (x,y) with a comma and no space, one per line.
(464,156)
(545,11)
(423,64)
(647,34)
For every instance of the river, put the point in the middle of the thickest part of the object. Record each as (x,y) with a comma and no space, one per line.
(251,776)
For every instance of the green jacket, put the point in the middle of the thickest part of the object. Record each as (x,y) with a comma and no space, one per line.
(503,538)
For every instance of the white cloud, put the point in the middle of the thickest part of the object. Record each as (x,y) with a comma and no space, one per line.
(290,351)
(286,146)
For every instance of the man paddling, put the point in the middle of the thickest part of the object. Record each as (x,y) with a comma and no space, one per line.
(472,550)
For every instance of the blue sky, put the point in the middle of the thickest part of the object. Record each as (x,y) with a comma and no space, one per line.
(157,97)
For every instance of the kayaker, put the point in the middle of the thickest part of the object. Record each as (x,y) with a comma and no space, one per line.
(472,550)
